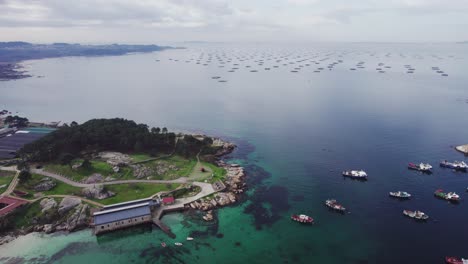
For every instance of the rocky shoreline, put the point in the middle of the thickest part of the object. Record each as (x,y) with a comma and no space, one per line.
(70,214)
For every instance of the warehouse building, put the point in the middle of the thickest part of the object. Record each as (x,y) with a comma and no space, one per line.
(122,215)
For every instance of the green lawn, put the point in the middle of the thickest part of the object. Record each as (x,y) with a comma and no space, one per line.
(185,167)
(133,191)
(59,189)
(218,172)
(97,166)
(5,179)
(27,214)
(140,157)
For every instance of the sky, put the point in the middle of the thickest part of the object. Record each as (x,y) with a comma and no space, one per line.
(155,21)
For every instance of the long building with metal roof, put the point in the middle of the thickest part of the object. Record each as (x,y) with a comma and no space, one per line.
(123,215)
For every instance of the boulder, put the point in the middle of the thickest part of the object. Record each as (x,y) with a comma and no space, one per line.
(94,178)
(67,204)
(45,185)
(109,178)
(97,192)
(6,239)
(47,204)
(78,219)
(48,228)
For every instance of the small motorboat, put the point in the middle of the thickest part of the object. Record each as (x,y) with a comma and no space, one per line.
(455,260)
(400,194)
(302,218)
(333,204)
(189,238)
(178,244)
(451,196)
(456,165)
(424,167)
(355,174)
(418,215)
(163,244)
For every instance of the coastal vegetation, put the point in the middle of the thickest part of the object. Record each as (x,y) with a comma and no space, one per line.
(73,141)
(133,191)
(30,187)
(5,179)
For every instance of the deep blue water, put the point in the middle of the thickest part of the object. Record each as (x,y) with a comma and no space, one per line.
(296,132)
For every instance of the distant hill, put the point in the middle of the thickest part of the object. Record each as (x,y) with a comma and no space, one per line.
(16,51)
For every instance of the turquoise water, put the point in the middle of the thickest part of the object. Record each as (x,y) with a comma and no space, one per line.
(296,132)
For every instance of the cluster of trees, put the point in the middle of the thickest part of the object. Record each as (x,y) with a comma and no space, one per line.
(115,134)
(16,121)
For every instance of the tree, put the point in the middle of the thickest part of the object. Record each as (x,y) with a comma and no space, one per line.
(73,124)
(155,130)
(66,158)
(86,164)
(164,130)
(24,176)
(22,165)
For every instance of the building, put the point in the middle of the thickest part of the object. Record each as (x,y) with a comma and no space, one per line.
(122,215)
(9,204)
(168,200)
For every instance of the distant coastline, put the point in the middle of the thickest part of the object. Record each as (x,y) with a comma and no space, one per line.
(12,53)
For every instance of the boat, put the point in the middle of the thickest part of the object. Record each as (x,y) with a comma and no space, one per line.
(178,244)
(456,165)
(455,260)
(333,204)
(302,218)
(355,174)
(400,194)
(418,215)
(189,238)
(424,167)
(163,244)
(451,196)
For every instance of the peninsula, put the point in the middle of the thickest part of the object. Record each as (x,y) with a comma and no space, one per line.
(11,53)
(67,179)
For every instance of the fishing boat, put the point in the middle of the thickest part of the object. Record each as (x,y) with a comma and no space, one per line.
(455,260)
(302,218)
(451,196)
(418,215)
(456,165)
(163,244)
(189,238)
(424,167)
(333,204)
(400,194)
(355,174)
(178,244)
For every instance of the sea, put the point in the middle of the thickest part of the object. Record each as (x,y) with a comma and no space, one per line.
(300,114)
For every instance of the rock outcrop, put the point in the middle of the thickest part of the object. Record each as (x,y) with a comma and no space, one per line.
(94,178)
(67,204)
(45,184)
(97,192)
(47,204)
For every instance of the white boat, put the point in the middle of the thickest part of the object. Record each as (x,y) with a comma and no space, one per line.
(400,194)
(189,238)
(178,244)
(356,174)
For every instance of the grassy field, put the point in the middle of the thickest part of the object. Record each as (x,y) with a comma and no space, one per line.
(5,179)
(140,157)
(184,167)
(27,214)
(133,191)
(218,172)
(97,166)
(59,189)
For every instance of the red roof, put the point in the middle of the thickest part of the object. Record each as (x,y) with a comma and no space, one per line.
(11,204)
(168,200)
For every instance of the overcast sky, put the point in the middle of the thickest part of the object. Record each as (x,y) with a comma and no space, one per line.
(153,21)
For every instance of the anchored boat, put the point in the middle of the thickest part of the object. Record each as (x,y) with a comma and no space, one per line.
(189,238)
(451,196)
(424,167)
(456,165)
(418,215)
(302,218)
(400,194)
(333,204)
(455,260)
(355,174)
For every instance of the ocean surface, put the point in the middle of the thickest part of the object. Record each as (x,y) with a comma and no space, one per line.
(297,127)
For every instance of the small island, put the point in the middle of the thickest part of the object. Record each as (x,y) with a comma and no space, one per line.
(14,52)
(69,178)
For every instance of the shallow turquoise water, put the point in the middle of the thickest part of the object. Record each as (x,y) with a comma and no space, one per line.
(295,131)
